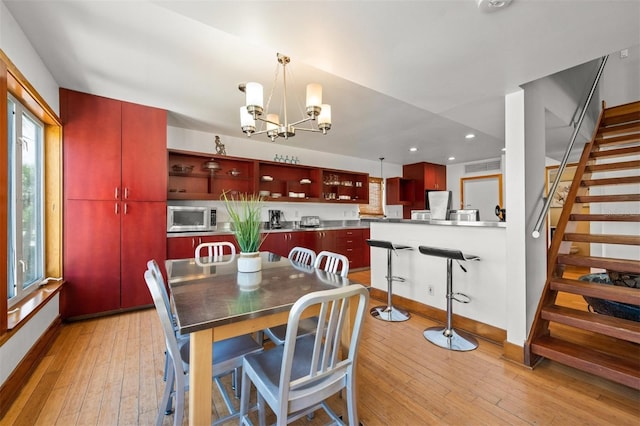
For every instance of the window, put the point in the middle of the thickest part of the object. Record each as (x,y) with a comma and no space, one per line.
(374,208)
(26,201)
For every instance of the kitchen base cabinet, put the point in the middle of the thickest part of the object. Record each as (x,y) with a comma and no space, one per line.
(353,244)
(91,258)
(105,258)
(281,243)
(143,237)
(185,247)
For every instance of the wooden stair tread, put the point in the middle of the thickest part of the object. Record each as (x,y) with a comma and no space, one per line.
(622,265)
(620,129)
(622,113)
(601,291)
(620,369)
(618,152)
(611,181)
(622,165)
(618,140)
(596,323)
(605,217)
(607,198)
(603,238)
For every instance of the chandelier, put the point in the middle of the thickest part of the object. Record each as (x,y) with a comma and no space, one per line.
(275,127)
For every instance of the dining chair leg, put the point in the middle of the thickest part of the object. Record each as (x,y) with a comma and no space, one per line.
(244,399)
(262,415)
(166,405)
(352,407)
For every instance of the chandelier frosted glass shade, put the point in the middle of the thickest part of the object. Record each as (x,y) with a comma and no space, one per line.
(254,109)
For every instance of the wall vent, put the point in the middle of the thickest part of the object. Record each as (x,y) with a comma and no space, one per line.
(482,167)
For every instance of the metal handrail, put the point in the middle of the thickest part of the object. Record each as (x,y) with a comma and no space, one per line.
(565,159)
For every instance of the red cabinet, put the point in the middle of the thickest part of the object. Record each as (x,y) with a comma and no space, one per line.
(282,242)
(185,247)
(352,243)
(92,146)
(425,176)
(144,153)
(115,182)
(91,257)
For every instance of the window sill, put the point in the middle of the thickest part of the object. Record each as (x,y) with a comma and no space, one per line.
(20,313)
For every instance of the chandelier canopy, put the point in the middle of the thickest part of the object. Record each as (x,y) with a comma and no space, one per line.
(275,127)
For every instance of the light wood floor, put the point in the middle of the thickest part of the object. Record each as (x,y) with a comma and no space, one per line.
(108,371)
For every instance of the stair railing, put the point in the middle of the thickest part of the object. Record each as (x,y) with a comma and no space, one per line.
(565,159)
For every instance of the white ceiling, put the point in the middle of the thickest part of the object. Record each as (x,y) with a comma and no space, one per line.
(397,73)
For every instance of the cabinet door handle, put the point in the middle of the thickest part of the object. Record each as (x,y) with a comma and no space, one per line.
(126,208)
(117,209)
(193,243)
(117,194)
(126,193)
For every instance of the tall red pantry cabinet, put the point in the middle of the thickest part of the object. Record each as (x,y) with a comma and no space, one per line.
(115,182)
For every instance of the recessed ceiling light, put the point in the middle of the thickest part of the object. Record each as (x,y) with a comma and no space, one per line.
(452,158)
(469,136)
(413,149)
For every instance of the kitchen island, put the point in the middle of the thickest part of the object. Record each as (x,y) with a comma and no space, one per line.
(426,277)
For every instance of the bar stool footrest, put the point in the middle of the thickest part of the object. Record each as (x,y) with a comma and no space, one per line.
(465,298)
(389,313)
(450,339)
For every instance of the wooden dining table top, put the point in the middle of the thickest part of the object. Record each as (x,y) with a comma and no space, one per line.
(207,295)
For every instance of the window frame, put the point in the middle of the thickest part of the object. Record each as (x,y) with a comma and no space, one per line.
(14,82)
(22,288)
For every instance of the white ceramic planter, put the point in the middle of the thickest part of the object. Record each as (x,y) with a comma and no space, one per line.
(249,281)
(249,262)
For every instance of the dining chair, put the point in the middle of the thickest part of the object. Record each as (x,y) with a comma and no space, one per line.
(301,256)
(332,262)
(227,357)
(216,250)
(295,379)
(153,266)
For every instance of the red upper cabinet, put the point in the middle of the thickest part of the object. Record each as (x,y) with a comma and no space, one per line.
(92,146)
(110,147)
(425,176)
(142,127)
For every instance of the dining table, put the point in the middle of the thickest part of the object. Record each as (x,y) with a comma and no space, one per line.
(212,301)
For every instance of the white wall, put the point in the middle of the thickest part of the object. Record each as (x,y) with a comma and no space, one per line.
(16,46)
(257,148)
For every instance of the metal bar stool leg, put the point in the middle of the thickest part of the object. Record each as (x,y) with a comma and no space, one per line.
(447,337)
(390,313)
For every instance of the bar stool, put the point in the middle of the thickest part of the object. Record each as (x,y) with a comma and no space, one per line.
(389,312)
(447,337)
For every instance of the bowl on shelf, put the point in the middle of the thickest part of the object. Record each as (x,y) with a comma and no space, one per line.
(305,181)
(182,168)
(211,165)
(266,178)
(264,193)
(276,195)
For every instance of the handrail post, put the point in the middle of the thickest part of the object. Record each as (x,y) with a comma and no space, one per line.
(565,159)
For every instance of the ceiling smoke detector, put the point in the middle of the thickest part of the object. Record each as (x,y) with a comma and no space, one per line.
(492,5)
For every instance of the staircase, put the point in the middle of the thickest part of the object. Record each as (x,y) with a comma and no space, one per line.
(603,345)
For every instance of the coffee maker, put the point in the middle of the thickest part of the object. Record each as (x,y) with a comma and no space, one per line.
(275,216)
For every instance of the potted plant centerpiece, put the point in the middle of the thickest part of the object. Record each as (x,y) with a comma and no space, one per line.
(244,212)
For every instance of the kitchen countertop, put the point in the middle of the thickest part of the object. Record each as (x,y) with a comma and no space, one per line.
(225,229)
(479,223)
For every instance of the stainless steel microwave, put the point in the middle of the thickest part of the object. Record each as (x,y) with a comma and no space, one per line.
(191,219)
